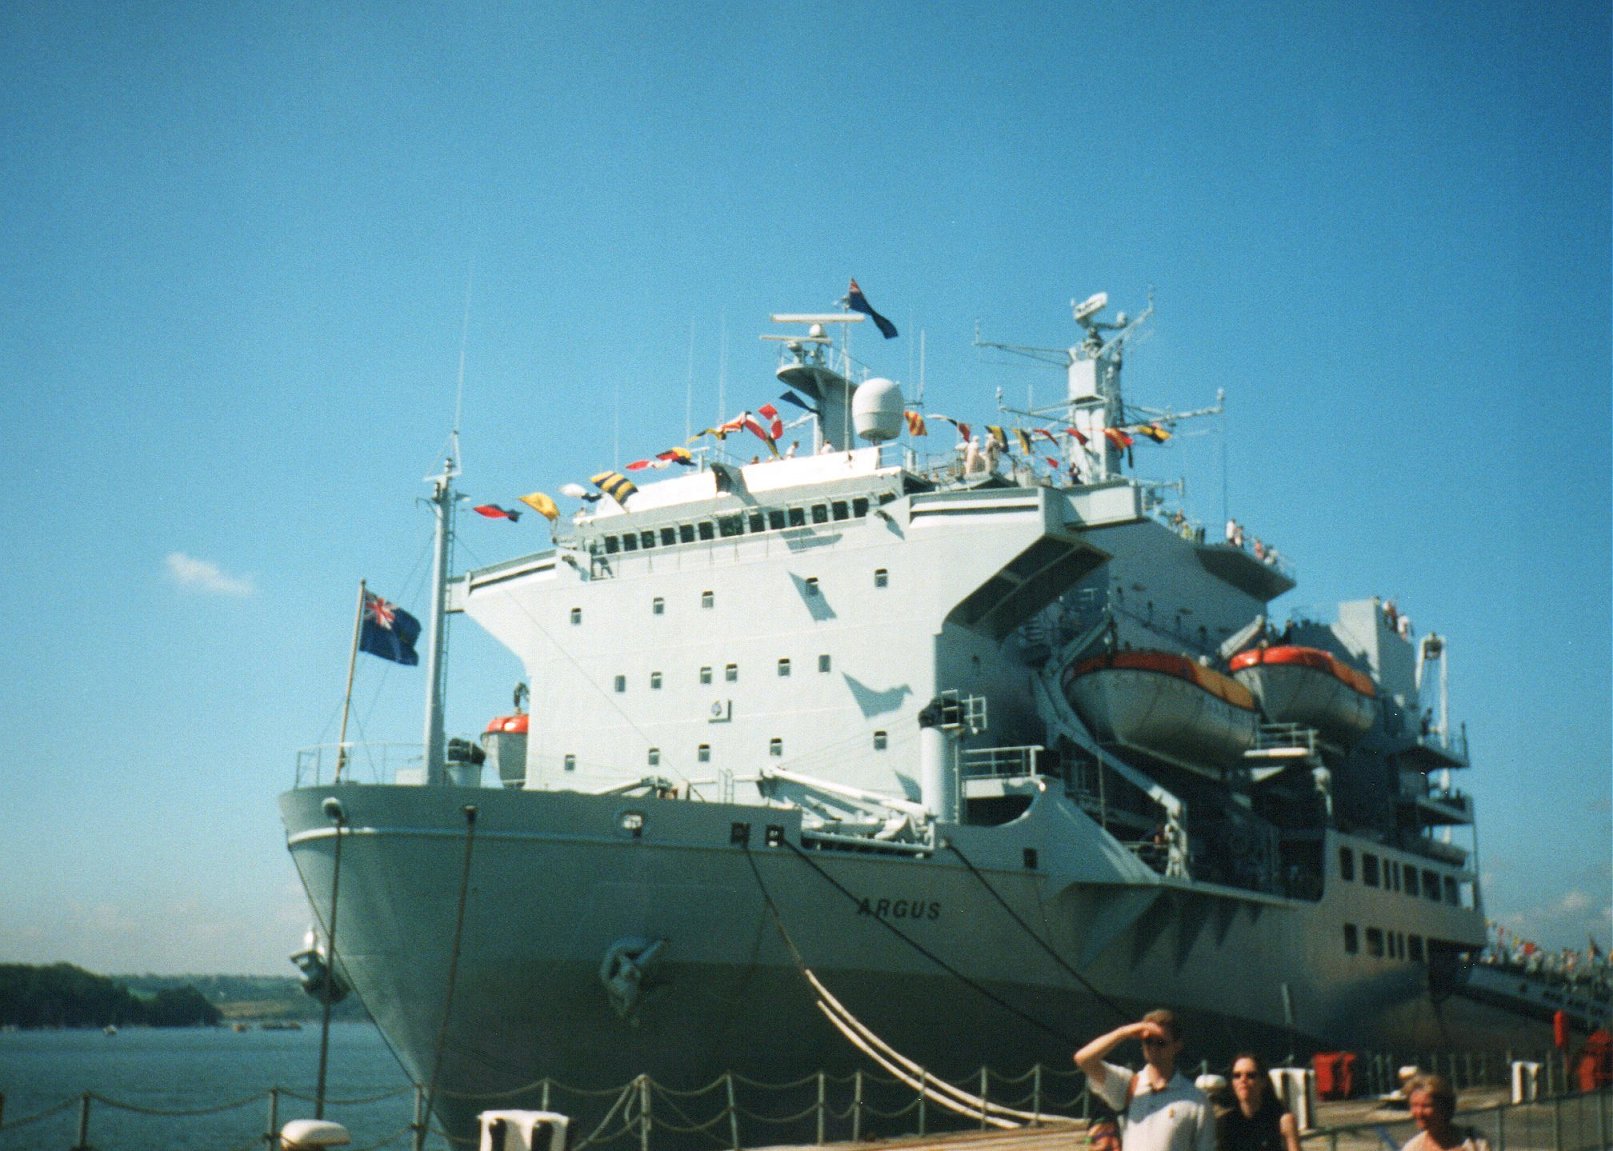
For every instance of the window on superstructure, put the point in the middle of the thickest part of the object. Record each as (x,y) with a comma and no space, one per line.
(730,526)
(880,741)
(1352,941)
(758,522)
(1414,947)
(576,615)
(705,675)
(797,517)
(703,753)
(840,510)
(646,539)
(882,578)
(1375,942)
(775,520)
(1346,864)
(655,757)
(708,599)
(658,606)
(859,507)
(775,747)
(612,545)
(1450,891)
(823,662)
(705,530)
(820,513)
(1369,869)
(811,586)
(784,668)
(655,681)
(571,763)
(686,533)
(731,673)
(621,684)
(669,536)
(1394,875)
(630,543)
(1431,885)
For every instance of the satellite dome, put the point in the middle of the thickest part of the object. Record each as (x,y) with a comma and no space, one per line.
(876,410)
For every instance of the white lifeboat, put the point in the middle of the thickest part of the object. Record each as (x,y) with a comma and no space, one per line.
(1308,687)
(1164,705)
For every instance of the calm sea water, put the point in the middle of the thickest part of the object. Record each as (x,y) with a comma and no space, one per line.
(142,1070)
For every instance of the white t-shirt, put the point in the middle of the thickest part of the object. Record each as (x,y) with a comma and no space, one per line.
(1176,1118)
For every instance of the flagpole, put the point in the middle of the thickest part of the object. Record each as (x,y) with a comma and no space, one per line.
(442,501)
(347,696)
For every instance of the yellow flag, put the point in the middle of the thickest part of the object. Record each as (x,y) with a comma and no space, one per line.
(541,504)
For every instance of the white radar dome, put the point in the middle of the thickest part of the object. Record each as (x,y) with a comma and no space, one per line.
(876,410)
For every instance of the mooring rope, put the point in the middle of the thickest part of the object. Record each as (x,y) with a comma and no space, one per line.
(453,962)
(860,1036)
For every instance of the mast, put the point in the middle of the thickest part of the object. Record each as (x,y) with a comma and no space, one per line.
(442,502)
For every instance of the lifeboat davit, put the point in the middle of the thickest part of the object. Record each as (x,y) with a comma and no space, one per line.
(1164,705)
(1309,687)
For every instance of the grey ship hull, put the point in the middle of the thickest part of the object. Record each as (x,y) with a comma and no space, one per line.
(553,882)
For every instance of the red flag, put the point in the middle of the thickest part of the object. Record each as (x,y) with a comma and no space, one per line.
(494,512)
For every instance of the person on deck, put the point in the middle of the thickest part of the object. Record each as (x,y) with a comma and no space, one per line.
(1433,1106)
(1164,1112)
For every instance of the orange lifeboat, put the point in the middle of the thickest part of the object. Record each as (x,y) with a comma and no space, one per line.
(1164,705)
(1309,687)
(505,740)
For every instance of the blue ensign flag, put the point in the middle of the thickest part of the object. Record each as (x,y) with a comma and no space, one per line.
(388,631)
(857,302)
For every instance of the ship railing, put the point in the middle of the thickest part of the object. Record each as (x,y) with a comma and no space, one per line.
(366,762)
(1019,762)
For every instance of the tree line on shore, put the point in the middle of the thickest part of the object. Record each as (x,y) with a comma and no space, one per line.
(62,995)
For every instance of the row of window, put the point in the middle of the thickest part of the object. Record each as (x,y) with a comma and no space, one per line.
(740,523)
(730,673)
(1392,875)
(708,599)
(1383,944)
(775,750)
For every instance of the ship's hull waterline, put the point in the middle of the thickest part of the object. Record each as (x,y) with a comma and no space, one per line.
(553,882)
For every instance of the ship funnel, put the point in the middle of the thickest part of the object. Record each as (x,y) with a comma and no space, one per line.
(876,410)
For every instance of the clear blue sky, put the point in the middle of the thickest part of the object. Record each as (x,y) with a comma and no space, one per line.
(236,247)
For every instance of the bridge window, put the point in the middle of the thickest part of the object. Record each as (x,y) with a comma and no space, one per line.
(686,533)
(797,517)
(1375,942)
(1352,941)
(1431,885)
(1369,869)
(820,513)
(1414,944)
(1346,864)
(775,520)
(705,530)
(1450,891)
(840,510)
(669,536)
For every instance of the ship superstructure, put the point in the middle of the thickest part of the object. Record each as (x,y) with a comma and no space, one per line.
(1001,755)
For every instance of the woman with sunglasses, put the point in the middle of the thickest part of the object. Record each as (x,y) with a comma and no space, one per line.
(1257,1120)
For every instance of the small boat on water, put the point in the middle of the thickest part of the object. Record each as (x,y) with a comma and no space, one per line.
(1164,705)
(1309,687)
